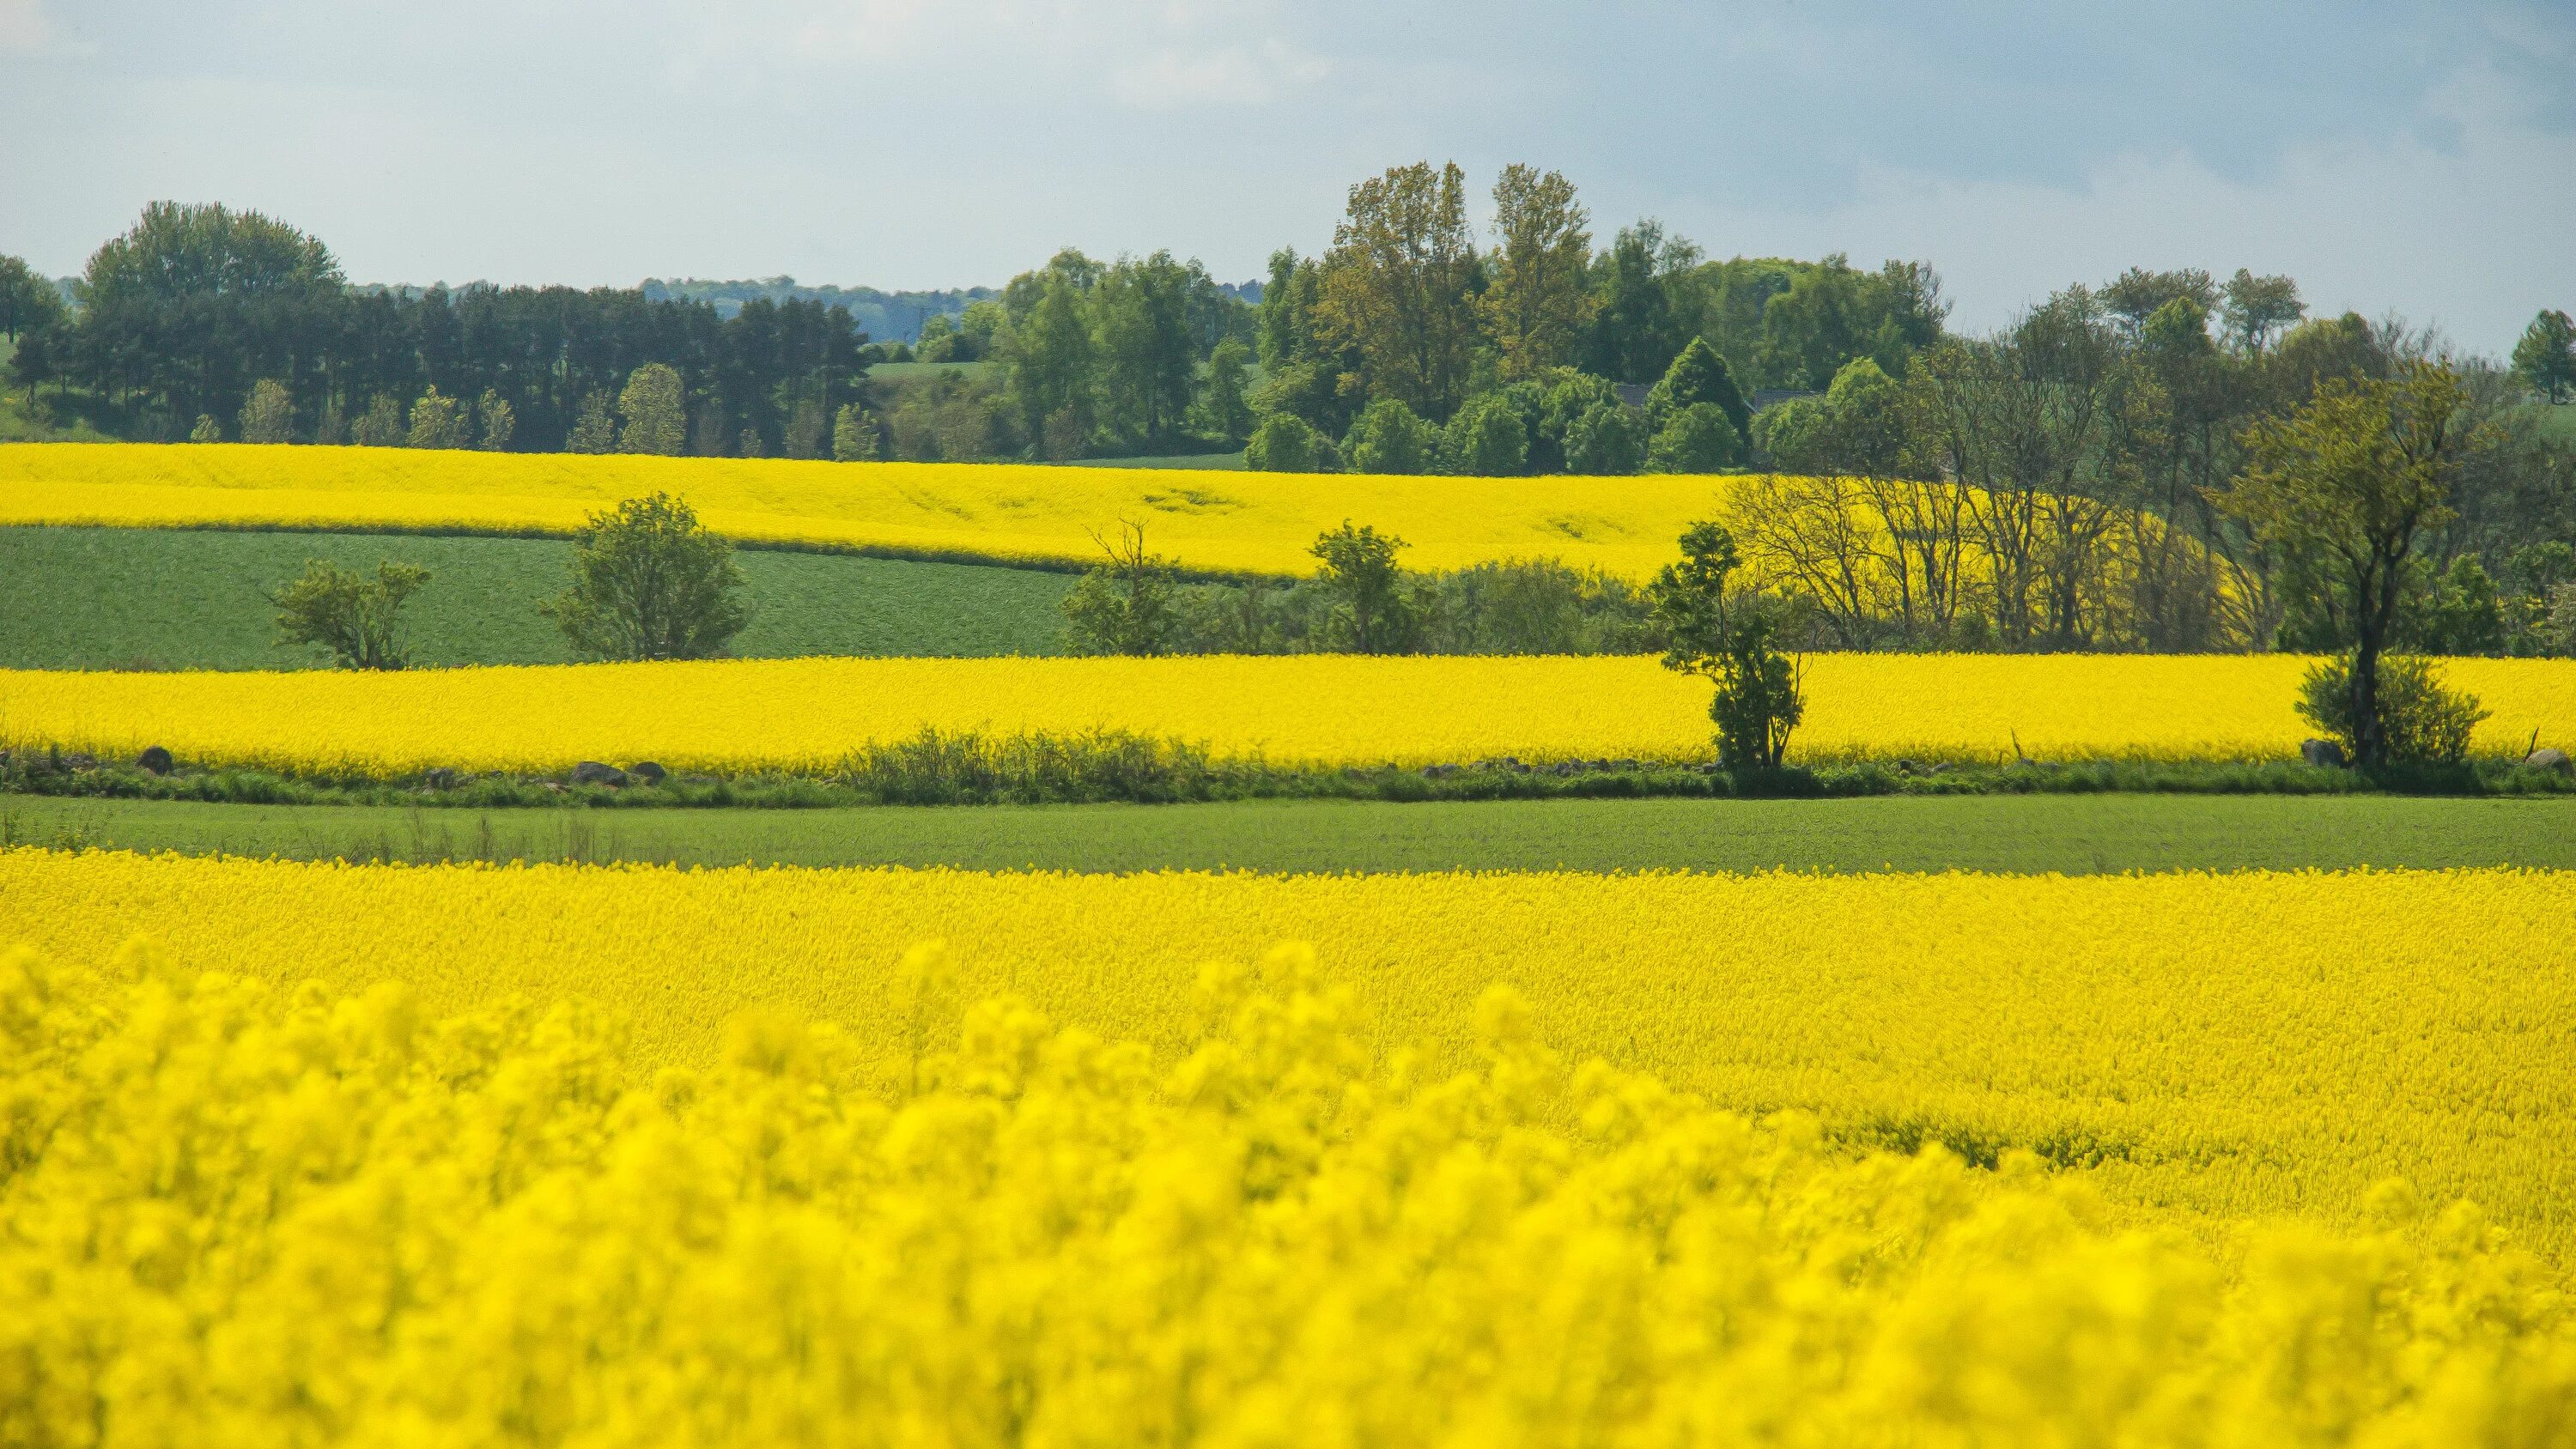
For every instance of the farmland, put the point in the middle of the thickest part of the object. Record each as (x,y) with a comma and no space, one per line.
(742,716)
(194,599)
(2026,834)
(1234,522)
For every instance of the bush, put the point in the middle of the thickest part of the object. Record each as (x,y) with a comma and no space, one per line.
(380,426)
(854,434)
(437,421)
(1488,438)
(653,411)
(1124,606)
(269,414)
(348,613)
(1371,613)
(1609,438)
(1699,439)
(1287,443)
(650,583)
(2425,722)
(1390,438)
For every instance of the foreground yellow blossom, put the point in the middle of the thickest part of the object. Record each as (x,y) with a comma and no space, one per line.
(806,715)
(235,1215)
(2238,1045)
(1230,521)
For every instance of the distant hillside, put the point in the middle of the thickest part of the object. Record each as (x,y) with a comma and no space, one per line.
(884,316)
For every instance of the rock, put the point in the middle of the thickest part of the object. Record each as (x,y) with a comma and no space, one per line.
(592,772)
(2322,752)
(155,760)
(648,772)
(2549,760)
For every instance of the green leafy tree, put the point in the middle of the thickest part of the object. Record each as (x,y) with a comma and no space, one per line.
(437,421)
(381,425)
(1287,443)
(650,583)
(1222,410)
(2254,310)
(1698,439)
(207,430)
(499,420)
(1370,611)
(1540,298)
(269,414)
(356,617)
(2545,357)
(1698,375)
(27,301)
(1148,353)
(1390,438)
(1050,365)
(1126,605)
(2353,478)
(1641,321)
(2419,720)
(594,429)
(1731,641)
(1399,287)
(1609,438)
(653,412)
(1488,438)
(854,434)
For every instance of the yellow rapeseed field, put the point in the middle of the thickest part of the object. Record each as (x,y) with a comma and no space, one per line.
(234,1215)
(1232,521)
(2232,1045)
(806,715)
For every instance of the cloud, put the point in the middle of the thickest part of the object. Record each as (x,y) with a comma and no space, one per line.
(1230,75)
(23,28)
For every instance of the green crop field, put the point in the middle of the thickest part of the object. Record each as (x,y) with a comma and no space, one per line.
(2068,834)
(101,598)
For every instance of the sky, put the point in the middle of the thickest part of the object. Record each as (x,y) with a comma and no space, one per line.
(2407,158)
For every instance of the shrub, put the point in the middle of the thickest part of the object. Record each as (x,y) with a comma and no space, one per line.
(380,426)
(356,617)
(854,434)
(1371,614)
(594,429)
(269,415)
(1125,605)
(650,583)
(206,430)
(1287,443)
(437,421)
(500,420)
(1488,438)
(1610,437)
(653,411)
(1698,439)
(1390,438)
(2426,722)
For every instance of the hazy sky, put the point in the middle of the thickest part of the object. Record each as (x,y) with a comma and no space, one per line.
(2419,158)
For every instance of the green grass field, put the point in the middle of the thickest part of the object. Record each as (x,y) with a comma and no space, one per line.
(99,598)
(2072,835)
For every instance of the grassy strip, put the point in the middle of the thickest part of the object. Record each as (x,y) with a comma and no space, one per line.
(937,768)
(2068,835)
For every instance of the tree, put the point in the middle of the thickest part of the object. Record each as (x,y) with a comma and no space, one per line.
(2545,357)
(2255,309)
(1699,375)
(499,420)
(27,301)
(1124,606)
(650,583)
(437,421)
(1758,703)
(594,430)
(1389,438)
(1371,614)
(1699,439)
(356,617)
(2420,721)
(1287,443)
(654,414)
(207,430)
(1639,324)
(1222,411)
(1398,287)
(1050,365)
(1148,355)
(269,415)
(1609,438)
(2355,475)
(854,435)
(1540,298)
